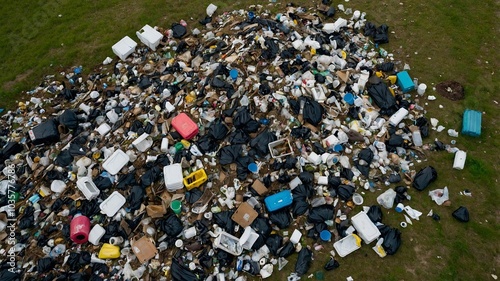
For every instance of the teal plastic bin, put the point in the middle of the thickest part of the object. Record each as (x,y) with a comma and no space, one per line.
(279,200)
(405,82)
(471,124)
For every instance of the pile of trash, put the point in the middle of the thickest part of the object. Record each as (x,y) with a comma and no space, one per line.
(215,154)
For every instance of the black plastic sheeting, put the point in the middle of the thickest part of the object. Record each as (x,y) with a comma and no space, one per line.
(181,273)
(461,214)
(424,177)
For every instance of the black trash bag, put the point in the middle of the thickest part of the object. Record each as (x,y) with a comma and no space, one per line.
(64,158)
(320,214)
(303,261)
(69,119)
(264,89)
(347,174)
(281,218)
(206,20)
(461,214)
(262,227)
(381,35)
(287,250)
(424,177)
(135,198)
(260,143)
(274,242)
(206,144)
(74,261)
(303,191)
(424,130)
(150,176)
(331,264)
(375,213)
(313,112)
(28,219)
(290,162)
(229,154)
(301,132)
(306,178)
(45,133)
(316,230)
(345,192)
(76,149)
(102,183)
(331,12)
(238,137)
(382,97)
(401,192)
(251,127)
(394,178)
(79,276)
(299,206)
(241,117)
(144,83)
(126,180)
(205,260)
(367,156)
(224,220)
(178,31)
(251,267)
(334,182)
(392,239)
(11,148)
(181,273)
(193,195)
(8,275)
(386,67)
(218,130)
(395,141)
(172,225)
(45,264)
(90,208)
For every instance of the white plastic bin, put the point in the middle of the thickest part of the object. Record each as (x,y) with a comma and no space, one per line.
(347,245)
(143,142)
(116,162)
(124,48)
(174,179)
(228,243)
(248,238)
(280,148)
(88,188)
(149,36)
(112,204)
(459,161)
(365,227)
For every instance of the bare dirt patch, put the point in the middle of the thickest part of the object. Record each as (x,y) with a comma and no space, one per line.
(8,86)
(451,90)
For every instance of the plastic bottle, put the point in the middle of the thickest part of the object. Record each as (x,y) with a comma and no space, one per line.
(58,250)
(417,138)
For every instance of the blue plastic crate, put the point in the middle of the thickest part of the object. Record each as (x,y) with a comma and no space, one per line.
(471,124)
(278,200)
(405,82)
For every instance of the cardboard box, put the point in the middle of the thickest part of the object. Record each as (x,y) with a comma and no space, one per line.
(259,187)
(156,211)
(244,215)
(144,249)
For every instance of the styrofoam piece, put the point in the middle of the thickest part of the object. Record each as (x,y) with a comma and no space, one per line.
(211,9)
(228,243)
(112,204)
(294,183)
(116,162)
(174,179)
(365,227)
(88,188)
(164,145)
(398,116)
(169,107)
(124,48)
(103,129)
(331,141)
(347,245)
(459,161)
(143,143)
(314,158)
(149,36)
(322,180)
(275,153)
(248,238)
(296,235)
(96,233)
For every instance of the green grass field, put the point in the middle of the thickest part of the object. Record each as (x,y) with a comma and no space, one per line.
(440,40)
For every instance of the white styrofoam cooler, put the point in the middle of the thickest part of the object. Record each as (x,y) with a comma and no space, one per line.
(174,179)
(365,227)
(124,48)
(149,36)
(459,161)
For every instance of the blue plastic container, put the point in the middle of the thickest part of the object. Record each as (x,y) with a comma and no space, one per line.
(325,235)
(278,200)
(349,98)
(405,82)
(471,124)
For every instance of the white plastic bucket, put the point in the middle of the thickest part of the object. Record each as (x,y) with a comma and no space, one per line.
(421,89)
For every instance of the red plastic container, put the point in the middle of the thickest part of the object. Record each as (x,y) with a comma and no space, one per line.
(79,229)
(186,127)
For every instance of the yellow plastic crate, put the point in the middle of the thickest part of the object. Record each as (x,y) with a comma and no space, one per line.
(195,179)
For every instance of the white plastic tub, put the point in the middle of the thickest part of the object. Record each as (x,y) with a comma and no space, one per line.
(174,179)
(115,162)
(459,161)
(248,238)
(228,243)
(398,116)
(347,245)
(88,188)
(280,148)
(96,234)
(365,227)
(112,204)
(143,142)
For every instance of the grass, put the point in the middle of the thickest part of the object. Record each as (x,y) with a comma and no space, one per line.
(440,40)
